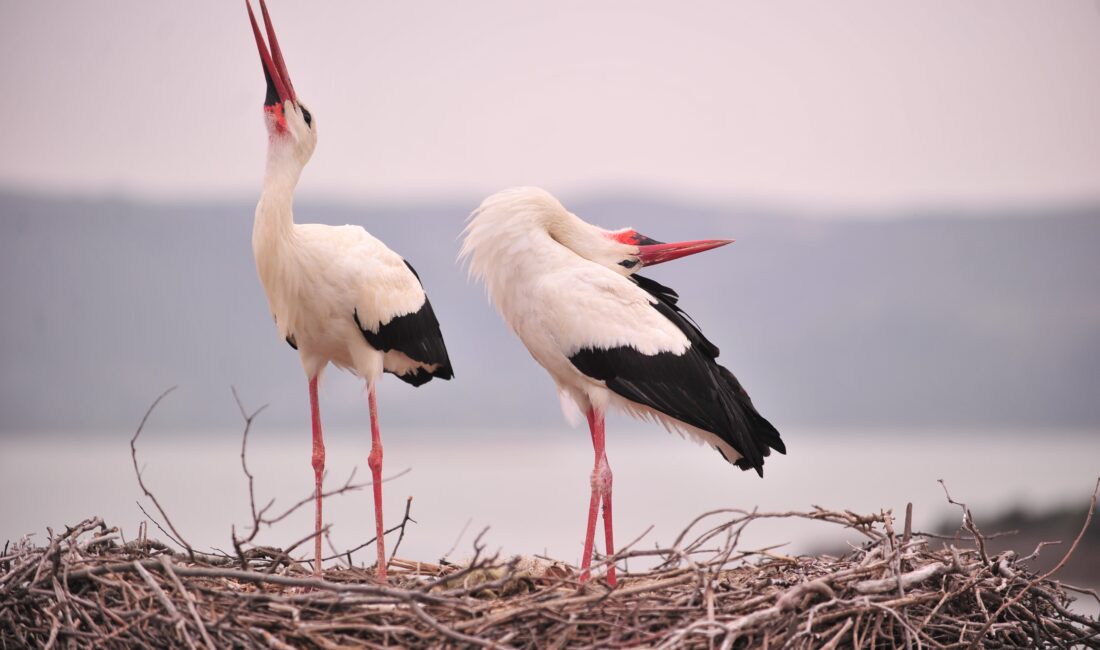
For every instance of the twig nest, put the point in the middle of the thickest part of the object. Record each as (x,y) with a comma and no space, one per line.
(706,593)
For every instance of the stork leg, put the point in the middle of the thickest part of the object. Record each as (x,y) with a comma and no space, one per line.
(318,468)
(601,493)
(375,463)
(608,534)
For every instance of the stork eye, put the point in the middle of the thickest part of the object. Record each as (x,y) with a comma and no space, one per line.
(629,263)
(306,115)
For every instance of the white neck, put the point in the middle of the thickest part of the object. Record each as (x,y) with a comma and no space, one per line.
(275,211)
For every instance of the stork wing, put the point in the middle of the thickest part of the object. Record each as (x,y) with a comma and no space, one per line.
(684,382)
(412,331)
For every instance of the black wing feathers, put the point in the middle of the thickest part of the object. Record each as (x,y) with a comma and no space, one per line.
(691,387)
(668,298)
(416,335)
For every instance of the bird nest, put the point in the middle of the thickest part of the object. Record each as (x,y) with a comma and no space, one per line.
(88,586)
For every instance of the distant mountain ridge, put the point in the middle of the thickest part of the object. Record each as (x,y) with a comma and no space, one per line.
(990,321)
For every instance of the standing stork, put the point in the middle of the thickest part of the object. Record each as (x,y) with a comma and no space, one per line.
(609,337)
(338,295)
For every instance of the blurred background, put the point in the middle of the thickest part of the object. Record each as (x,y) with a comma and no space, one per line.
(914,293)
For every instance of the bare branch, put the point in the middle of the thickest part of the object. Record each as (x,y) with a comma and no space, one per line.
(1057,567)
(141,483)
(404,520)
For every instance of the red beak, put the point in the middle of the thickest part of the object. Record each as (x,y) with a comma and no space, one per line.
(657,253)
(279,88)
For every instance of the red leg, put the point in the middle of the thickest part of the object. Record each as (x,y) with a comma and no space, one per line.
(318,467)
(590,532)
(608,534)
(375,463)
(601,487)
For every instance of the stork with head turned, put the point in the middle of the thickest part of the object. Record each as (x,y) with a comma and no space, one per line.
(338,295)
(607,336)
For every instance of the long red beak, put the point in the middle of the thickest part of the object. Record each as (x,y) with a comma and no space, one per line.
(651,254)
(279,88)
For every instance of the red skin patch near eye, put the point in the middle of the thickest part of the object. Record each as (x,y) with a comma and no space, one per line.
(276,112)
(628,237)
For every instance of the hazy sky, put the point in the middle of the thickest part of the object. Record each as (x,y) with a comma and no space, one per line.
(839,104)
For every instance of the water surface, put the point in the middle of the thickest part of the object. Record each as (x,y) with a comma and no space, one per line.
(532,491)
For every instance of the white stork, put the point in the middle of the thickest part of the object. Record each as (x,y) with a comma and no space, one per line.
(608,337)
(338,295)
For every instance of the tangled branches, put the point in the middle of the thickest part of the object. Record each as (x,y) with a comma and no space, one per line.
(87,586)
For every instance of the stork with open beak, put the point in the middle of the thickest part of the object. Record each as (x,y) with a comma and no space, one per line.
(338,295)
(607,336)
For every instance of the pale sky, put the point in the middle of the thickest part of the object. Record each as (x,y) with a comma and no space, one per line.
(864,104)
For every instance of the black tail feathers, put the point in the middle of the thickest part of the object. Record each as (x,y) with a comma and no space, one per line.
(753,435)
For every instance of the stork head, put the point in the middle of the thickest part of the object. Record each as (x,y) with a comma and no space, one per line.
(633,250)
(291,128)
(521,229)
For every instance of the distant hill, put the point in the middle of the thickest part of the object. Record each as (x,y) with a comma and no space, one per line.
(969,320)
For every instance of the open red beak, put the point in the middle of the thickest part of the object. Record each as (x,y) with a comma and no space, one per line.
(279,88)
